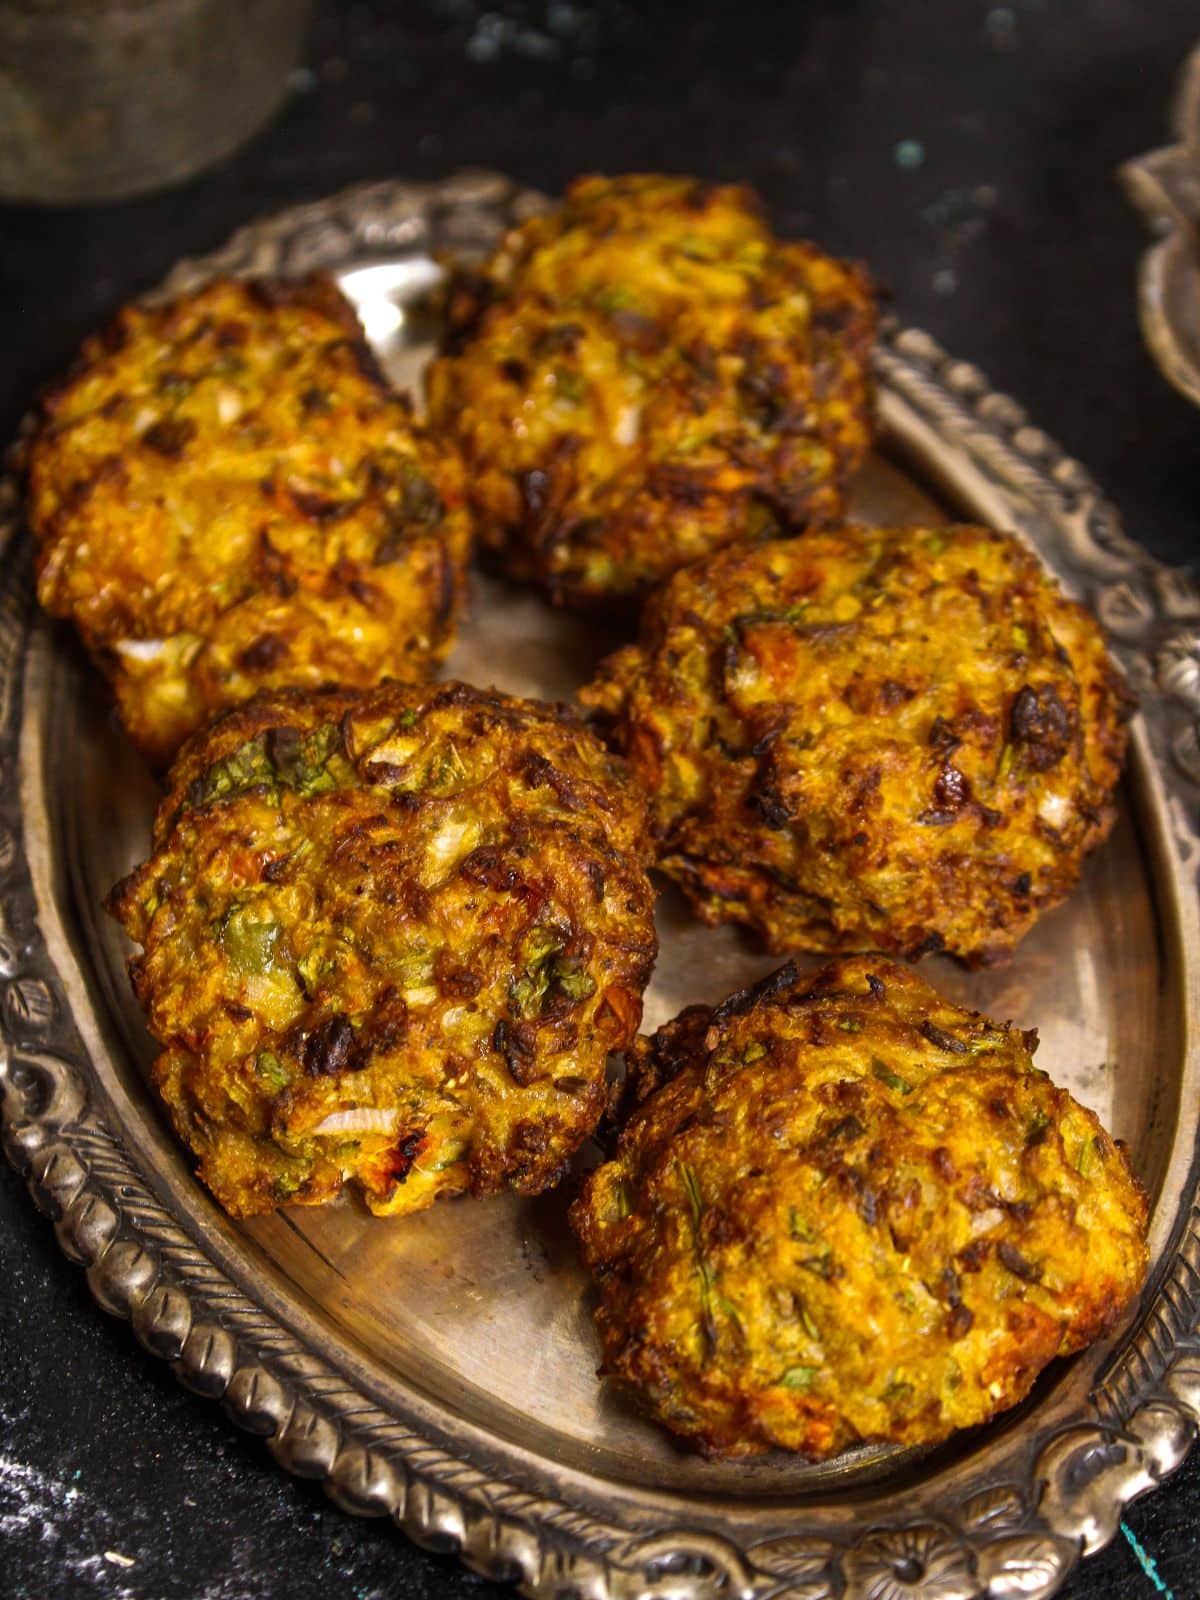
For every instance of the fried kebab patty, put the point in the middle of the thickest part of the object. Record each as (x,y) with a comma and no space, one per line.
(646,374)
(901,739)
(852,1212)
(227,496)
(389,939)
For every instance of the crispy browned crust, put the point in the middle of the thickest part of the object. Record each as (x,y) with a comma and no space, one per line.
(852,1212)
(419,907)
(226,496)
(647,374)
(901,739)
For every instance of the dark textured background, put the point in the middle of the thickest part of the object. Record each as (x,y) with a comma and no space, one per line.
(965,149)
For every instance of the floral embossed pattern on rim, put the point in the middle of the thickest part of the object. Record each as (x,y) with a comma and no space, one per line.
(1003,1514)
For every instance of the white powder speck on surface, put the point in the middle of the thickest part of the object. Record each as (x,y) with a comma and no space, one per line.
(75,1535)
(96,1572)
(30,1499)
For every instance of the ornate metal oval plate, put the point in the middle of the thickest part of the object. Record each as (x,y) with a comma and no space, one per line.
(440,1369)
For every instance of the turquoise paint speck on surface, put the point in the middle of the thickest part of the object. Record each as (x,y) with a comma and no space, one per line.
(1146,1561)
(909,154)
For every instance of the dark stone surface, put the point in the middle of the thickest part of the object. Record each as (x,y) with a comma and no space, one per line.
(966,150)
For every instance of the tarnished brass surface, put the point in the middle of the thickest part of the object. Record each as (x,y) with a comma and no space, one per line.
(1165,187)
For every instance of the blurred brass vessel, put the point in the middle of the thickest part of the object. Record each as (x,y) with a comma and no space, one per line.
(101,99)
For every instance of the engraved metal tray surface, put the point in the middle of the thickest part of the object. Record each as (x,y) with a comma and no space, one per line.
(440,1369)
